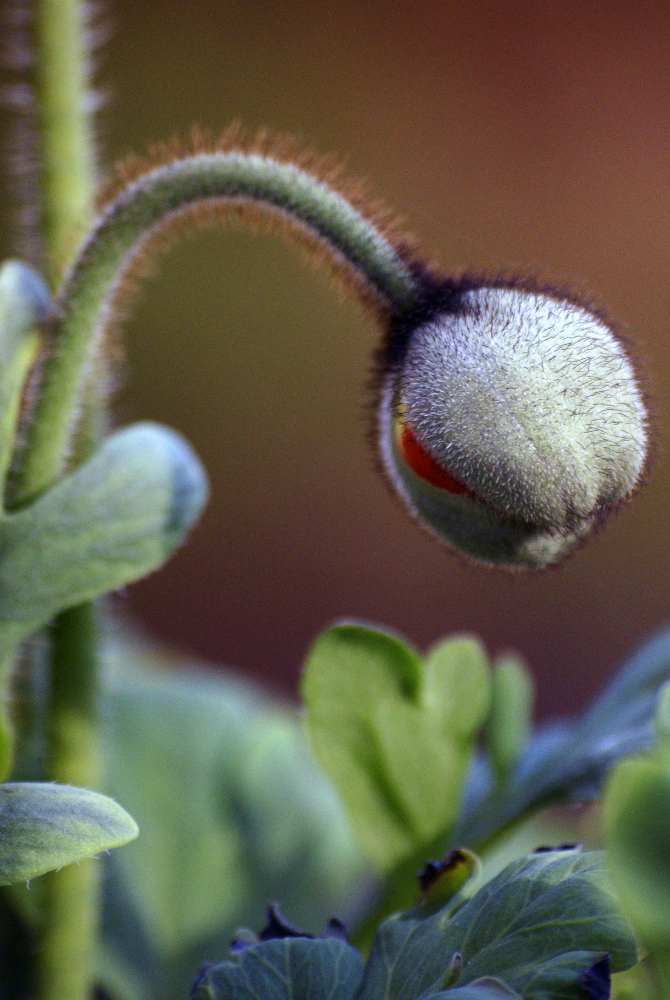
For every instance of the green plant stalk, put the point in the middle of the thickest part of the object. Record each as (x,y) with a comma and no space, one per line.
(7,668)
(72,894)
(67,158)
(110,249)
(66,146)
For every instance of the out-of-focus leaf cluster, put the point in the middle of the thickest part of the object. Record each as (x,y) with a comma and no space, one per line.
(232,814)
(434,753)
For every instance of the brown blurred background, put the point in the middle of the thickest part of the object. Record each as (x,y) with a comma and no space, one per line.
(510,135)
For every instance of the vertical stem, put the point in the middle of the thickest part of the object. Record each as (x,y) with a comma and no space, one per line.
(7,668)
(66,144)
(72,894)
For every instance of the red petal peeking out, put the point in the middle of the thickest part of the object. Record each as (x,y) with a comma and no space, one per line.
(424,465)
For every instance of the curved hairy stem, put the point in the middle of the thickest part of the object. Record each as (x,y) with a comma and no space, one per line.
(351,243)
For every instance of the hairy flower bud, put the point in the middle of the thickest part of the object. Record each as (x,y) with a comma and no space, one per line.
(510,422)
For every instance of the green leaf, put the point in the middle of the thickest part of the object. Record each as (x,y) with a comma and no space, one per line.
(568,763)
(564,762)
(287,969)
(546,927)
(524,927)
(637,821)
(45,826)
(510,721)
(350,673)
(457,686)
(422,771)
(114,520)
(394,734)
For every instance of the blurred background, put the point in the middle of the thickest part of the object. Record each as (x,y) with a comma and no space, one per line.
(522,135)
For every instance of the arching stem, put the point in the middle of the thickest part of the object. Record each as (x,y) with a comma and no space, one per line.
(203,182)
(210,179)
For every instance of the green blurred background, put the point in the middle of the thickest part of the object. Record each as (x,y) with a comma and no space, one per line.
(528,136)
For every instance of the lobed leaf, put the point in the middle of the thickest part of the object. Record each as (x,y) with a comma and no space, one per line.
(294,968)
(509,725)
(538,927)
(547,928)
(457,686)
(394,734)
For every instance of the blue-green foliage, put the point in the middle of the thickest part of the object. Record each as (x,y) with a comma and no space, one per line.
(569,762)
(541,929)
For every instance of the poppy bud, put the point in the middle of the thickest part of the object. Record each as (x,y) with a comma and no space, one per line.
(510,422)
